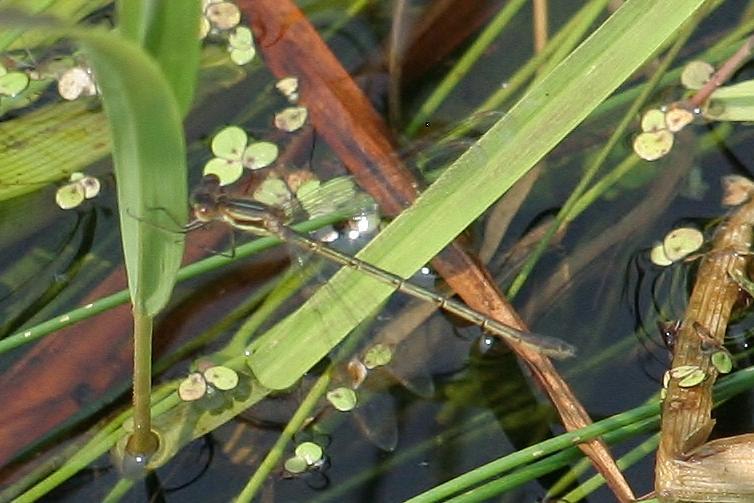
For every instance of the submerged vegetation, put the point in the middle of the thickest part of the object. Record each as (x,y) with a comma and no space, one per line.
(582,169)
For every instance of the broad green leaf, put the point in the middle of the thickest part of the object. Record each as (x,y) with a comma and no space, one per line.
(40,133)
(149,156)
(169,31)
(542,118)
(150,164)
(15,38)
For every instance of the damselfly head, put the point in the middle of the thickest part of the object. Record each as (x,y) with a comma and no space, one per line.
(205,206)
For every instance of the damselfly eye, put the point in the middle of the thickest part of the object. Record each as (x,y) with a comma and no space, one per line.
(203,212)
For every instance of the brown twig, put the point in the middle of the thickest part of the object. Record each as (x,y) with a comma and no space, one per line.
(722,75)
(540,24)
(686,469)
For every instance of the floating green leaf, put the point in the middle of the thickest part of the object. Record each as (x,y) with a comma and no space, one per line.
(91,186)
(241,38)
(69,196)
(678,118)
(222,378)
(13,83)
(651,146)
(683,371)
(693,379)
(658,257)
(696,74)
(291,119)
(310,452)
(377,356)
(653,120)
(241,46)
(343,399)
(722,361)
(227,170)
(295,465)
(259,155)
(192,388)
(737,190)
(681,242)
(229,143)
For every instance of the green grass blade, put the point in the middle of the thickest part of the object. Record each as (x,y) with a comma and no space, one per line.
(169,32)
(149,155)
(553,107)
(150,164)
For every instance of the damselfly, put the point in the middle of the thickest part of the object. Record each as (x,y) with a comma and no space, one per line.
(210,203)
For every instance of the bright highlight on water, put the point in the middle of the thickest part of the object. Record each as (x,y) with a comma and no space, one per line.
(210,203)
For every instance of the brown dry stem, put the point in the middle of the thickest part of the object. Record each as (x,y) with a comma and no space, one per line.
(687,469)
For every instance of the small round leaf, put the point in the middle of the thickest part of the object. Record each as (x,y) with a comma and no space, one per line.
(658,257)
(737,190)
(696,377)
(259,155)
(13,83)
(696,74)
(227,171)
(722,361)
(223,15)
(222,378)
(230,143)
(357,372)
(377,356)
(291,119)
(288,87)
(242,56)
(309,452)
(681,242)
(683,371)
(295,465)
(678,118)
(91,186)
(204,27)
(76,82)
(192,388)
(343,399)
(653,120)
(651,146)
(69,196)
(241,39)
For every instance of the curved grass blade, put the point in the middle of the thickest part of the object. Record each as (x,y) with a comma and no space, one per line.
(169,32)
(542,118)
(150,164)
(149,155)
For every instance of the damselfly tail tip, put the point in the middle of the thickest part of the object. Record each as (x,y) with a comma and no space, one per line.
(557,349)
